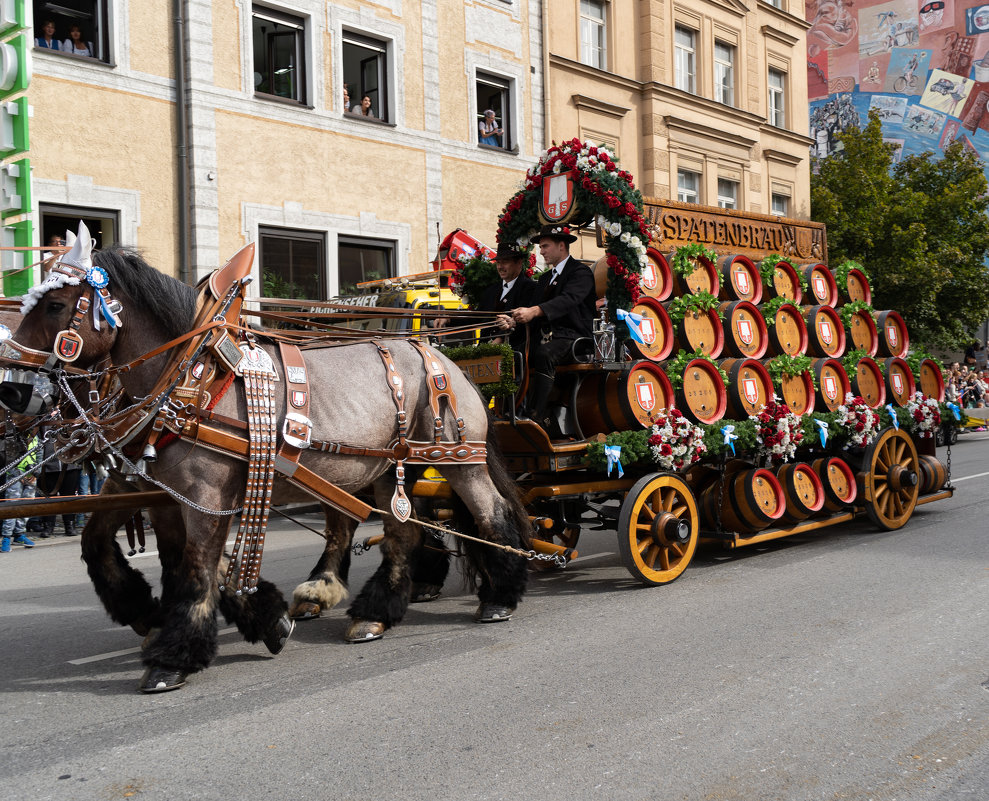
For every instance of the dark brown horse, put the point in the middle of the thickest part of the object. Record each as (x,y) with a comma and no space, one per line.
(351,402)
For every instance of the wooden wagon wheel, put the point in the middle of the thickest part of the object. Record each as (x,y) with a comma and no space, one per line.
(657,528)
(893,470)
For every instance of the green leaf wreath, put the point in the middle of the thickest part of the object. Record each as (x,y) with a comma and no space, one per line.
(685,258)
(771,307)
(789,366)
(698,302)
(767,269)
(841,274)
(847,311)
(850,361)
(674,367)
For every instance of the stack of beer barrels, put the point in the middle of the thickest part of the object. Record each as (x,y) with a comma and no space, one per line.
(805,323)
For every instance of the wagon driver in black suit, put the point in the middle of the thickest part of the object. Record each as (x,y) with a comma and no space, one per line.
(564,312)
(512,291)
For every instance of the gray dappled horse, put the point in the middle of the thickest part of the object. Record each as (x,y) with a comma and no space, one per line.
(350,402)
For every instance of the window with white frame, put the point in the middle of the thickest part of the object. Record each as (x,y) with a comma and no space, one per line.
(365,74)
(779,204)
(777,98)
(494,120)
(279,43)
(292,263)
(724,73)
(776,3)
(727,193)
(593,33)
(685,59)
(360,259)
(688,184)
(73,28)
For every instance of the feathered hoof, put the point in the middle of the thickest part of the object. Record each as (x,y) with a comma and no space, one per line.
(305,610)
(493,613)
(275,639)
(423,593)
(160,680)
(149,637)
(364,631)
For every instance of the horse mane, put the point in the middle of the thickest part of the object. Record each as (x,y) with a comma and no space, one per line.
(161,296)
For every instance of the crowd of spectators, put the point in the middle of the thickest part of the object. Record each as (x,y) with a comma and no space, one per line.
(967,385)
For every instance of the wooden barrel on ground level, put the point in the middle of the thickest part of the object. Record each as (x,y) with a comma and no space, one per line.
(750,387)
(657,278)
(784,284)
(931,380)
(856,287)
(832,384)
(704,278)
(868,381)
(821,287)
(933,474)
(838,481)
(861,333)
(802,489)
(797,392)
(893,337)
(825,332)
(656,328)
(700,331)
(613,400)
(702,396)
(746,333)
(788,333)
(900,384)
(740,279)
(750,501)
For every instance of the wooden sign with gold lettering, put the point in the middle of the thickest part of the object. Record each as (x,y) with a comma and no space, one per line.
(737,232)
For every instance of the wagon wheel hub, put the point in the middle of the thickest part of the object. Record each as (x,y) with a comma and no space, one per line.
(668,529)
(900,477)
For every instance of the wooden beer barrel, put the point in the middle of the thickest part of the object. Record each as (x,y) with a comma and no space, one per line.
(788,334)
(750,387)
(740,279)
(933,474)
(856,287)
(900,384)
(704,278)
(656,328)
(700,331)
(931,380)
(832,384)
(868,382)
(838,480)
(861,333)
(702,396)
(893,337)
(657,277)
(751,500)
(785,284)
(825,333)
(612,400)
(744,329)
(821,287)
(797,392)
(802,490)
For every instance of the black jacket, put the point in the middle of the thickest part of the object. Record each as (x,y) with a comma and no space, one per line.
(522,293)
(568,305)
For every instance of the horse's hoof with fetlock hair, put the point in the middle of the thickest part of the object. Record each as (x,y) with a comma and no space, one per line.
(364,631)
(275,639)
(423,593)
(160,680)
(306,610)
(493,613)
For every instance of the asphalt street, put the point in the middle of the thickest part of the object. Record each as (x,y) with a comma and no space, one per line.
(844,664)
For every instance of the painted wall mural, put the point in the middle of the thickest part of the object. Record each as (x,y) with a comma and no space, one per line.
(922,64)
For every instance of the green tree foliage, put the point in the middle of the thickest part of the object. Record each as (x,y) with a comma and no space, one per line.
(920,228)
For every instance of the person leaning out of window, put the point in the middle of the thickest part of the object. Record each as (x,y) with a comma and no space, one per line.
(75,44)
(47,39)
(364,109)
(489,131)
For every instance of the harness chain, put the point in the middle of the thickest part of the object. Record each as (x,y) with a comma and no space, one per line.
(244,567)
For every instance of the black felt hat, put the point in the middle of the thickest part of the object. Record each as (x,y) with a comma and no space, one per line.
(555,231)
(509,250)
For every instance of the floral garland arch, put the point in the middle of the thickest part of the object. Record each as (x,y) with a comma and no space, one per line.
(603,193)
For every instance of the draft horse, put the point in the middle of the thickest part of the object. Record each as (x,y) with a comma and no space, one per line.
(351,402)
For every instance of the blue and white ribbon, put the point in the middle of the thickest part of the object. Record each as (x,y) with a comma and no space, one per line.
(823,431)
(614,455)
(954,410)
(730,437)
(892,413)
(632,320)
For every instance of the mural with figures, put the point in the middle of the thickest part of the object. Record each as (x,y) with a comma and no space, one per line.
(922,64)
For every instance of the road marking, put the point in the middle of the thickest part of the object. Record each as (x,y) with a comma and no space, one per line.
(966,478)
(126,651)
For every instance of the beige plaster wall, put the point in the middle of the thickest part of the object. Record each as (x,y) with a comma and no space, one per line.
(474,195)
(150,38)
(226,49)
